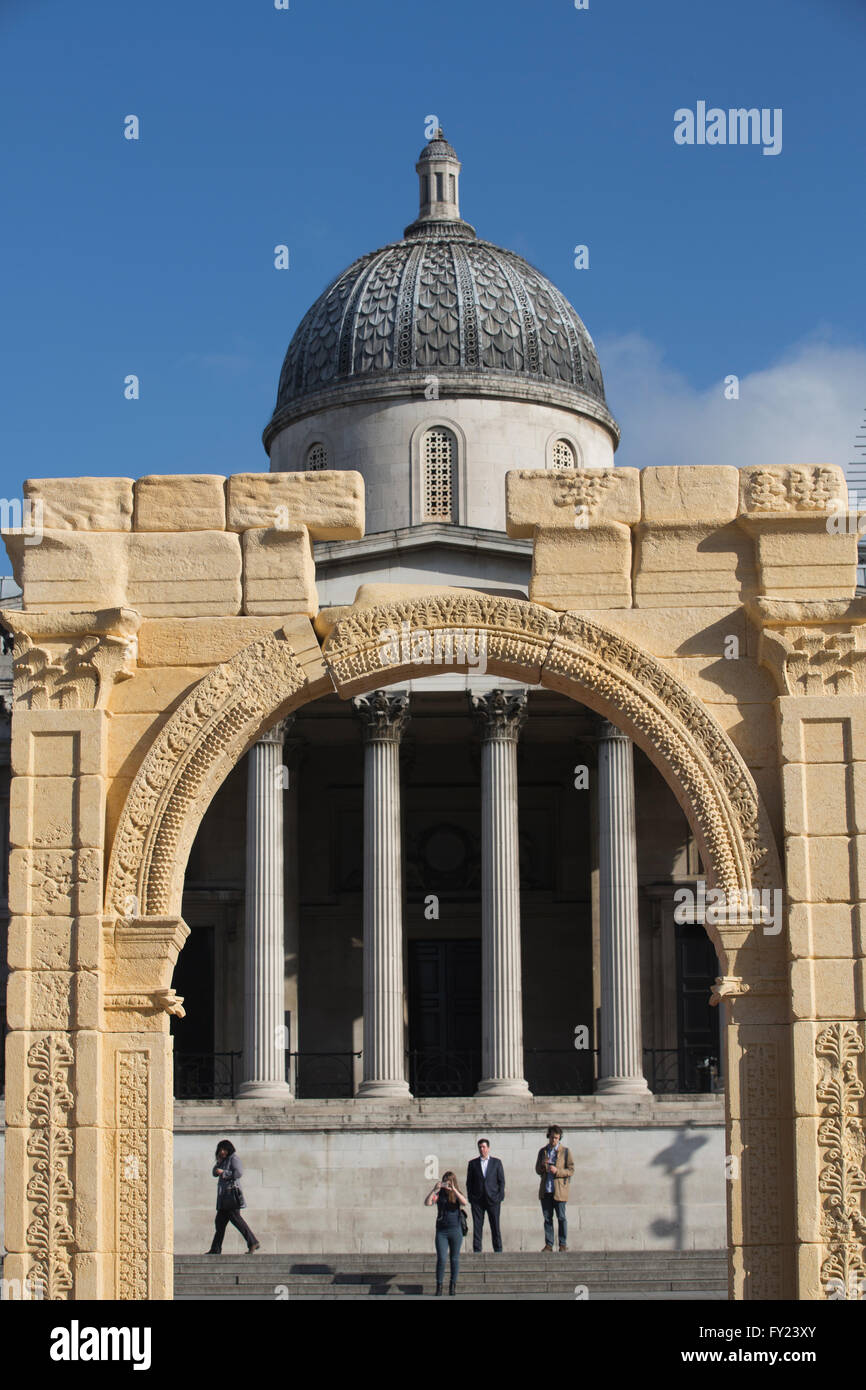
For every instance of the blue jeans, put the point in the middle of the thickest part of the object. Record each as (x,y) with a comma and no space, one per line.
(451,1237)
(548,1205)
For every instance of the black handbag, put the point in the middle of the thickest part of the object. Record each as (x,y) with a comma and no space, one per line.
(231,1197)
(464,1220)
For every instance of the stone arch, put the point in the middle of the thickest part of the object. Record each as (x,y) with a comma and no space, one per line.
(380,645)
(192,754)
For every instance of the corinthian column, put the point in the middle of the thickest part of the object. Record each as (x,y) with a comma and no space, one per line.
(384,718)
(502,716)
(264,957)
(620,1069)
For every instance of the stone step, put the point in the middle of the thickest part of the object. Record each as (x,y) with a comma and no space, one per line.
(635,1273)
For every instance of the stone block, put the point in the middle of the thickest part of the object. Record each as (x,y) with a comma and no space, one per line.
(329,503)
(57,812)
(699,494)
(778,493)
(828,989)
(802,559)
(90,1100)
(59,743)
(157,1049)
(821,930)
(180,502)
(279,573)
(198,641)
(812,1285)
(695,565)
(554,500)
(160,1194)
(41,999)
(683,632)
(54,943)
(75,570)
(195,574)
(94,1275)
(813,729)
(824,798)
(83,504)
(809,1159)
(582,569)
(92,1192)
(155,691)
(49,883)
(19,1213)
(819,868)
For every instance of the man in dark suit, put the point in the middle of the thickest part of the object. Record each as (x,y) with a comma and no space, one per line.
(485,1188)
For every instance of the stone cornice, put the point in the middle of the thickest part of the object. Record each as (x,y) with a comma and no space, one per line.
(491,384)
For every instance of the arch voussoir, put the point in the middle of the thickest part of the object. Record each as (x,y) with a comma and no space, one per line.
(410,638)
(204,739)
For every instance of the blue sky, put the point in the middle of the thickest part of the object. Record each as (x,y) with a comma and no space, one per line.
(259,127)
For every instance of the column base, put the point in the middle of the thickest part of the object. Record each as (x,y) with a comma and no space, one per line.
(503,1086)
(622,1086)
(384,1090)
(277,1091)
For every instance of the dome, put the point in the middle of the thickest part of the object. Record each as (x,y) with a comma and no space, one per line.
(440,302)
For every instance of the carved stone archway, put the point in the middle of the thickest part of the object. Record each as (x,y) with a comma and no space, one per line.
(578,656)
(147,662)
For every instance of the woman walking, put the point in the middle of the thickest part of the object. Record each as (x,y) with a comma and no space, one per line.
(451,1225)
(228,1169)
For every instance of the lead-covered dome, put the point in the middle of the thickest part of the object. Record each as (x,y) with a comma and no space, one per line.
(440,303)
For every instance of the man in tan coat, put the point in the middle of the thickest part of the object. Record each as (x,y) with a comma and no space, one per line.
(555,1166)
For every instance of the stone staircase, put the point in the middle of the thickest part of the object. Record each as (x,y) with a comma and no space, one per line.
(605,1275)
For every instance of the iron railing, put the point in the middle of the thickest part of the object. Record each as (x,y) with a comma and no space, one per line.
(206,1075)
(437,1072)
(218,1075)
(321,1075)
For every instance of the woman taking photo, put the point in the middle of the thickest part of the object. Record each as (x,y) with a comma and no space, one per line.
(451,1225)
(230,1198)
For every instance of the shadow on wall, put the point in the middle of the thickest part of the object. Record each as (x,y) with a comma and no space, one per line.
(676,1160)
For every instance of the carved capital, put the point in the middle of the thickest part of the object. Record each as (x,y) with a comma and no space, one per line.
(277,733)
(815,660)
(501,714)
(71,660)
(383,716)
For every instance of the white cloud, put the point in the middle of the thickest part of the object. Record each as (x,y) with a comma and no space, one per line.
(807,407)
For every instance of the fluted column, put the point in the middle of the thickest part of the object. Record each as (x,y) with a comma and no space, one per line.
(621,1062)
(384,717)
(264,958)
(501,715)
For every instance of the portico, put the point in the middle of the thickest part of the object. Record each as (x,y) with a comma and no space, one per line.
(463,867)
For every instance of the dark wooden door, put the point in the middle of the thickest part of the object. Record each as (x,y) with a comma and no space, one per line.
(698,1021)
(444,1017)
(198,1074)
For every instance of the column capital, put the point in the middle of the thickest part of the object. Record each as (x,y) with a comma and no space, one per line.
(383,715)
(607,732)
(278,733)
(501,714)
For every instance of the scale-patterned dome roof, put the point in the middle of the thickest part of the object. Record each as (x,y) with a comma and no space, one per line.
(440,302)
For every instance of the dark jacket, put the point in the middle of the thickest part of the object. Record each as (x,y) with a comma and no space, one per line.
(492,1187)
(232,1170)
